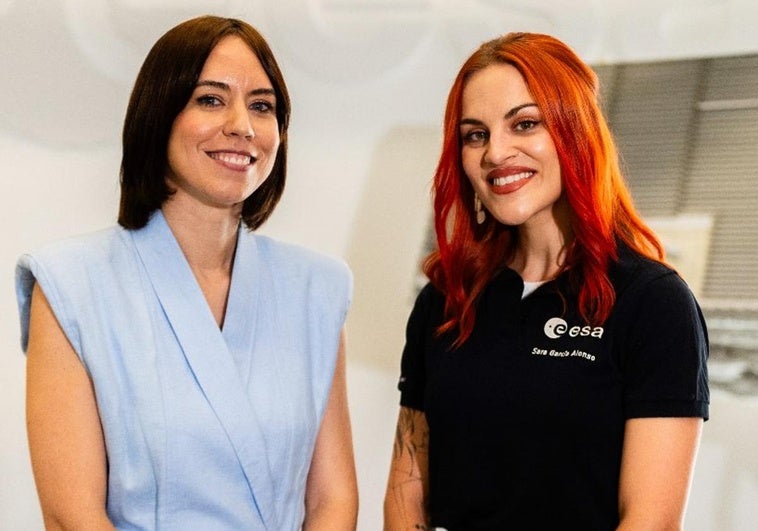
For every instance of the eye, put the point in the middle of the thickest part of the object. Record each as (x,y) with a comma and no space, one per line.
(526,124)
(208,100)
(474,138)
(262,106)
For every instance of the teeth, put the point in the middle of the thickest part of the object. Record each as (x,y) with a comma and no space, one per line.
(502,181)
(231,158)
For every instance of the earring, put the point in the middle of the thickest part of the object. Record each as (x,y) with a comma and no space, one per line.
(479,210)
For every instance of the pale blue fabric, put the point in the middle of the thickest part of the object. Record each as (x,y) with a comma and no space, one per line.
(205,429)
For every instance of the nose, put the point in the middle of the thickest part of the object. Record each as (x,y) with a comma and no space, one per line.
(500,148)
(238,122)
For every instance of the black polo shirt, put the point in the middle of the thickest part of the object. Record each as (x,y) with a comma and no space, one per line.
(526,419)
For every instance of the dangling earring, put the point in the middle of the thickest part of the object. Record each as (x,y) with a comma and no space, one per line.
(479,210)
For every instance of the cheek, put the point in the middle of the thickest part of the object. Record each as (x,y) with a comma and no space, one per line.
(268,148)
(275,142)
(544,148)
(268,138)
(545,152)
(470,163)
(187,133)
(174,154)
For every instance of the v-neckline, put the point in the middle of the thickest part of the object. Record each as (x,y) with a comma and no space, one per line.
(213,354)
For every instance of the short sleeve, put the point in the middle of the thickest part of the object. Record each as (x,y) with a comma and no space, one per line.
(412,381)
(665,353)
(29,271)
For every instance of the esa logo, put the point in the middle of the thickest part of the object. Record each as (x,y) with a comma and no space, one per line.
(557,327)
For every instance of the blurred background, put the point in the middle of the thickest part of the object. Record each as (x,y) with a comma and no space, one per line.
(368,80)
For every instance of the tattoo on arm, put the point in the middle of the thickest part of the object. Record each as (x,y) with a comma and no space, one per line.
(410,462)
(411,440)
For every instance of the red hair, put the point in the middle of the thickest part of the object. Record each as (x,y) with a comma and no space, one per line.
(602,213)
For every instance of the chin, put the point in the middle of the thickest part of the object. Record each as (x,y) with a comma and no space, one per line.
(510,220)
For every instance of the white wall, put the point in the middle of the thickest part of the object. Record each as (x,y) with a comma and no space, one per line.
(368,80)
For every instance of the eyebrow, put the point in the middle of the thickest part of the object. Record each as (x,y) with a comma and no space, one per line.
(510,114)
(224,86)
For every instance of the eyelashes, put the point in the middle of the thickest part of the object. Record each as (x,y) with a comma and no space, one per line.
(475,138)
(207,100)
(479,136)
(263,106)
(258,106)
(526,124)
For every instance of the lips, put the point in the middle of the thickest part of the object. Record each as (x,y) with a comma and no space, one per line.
(232,159)
(510,179)
(507,180)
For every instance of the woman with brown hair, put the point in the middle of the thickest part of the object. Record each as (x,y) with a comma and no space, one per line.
(184,372)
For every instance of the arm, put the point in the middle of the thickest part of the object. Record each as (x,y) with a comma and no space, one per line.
(63,425)
(656,471)
(331,493)
(405,503)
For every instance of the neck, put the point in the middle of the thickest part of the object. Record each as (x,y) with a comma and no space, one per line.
(541,247)
(207,237)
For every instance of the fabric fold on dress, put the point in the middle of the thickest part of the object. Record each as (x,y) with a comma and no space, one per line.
(206,349)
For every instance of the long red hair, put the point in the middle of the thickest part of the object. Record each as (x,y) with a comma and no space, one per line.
(469,255)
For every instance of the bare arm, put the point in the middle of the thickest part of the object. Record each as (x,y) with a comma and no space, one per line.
(656,472)
(63,425)
(405,503)
(331,496)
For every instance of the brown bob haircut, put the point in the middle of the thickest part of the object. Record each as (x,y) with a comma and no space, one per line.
(163,87)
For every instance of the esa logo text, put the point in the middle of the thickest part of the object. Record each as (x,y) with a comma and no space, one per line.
(557,327)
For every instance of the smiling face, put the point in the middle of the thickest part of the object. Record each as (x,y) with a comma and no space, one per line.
(223,144)
(506,151)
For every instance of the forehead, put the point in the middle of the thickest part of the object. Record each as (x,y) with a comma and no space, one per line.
(232,57)
(498,86)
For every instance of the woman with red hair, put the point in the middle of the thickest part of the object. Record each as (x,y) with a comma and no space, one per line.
(554,373)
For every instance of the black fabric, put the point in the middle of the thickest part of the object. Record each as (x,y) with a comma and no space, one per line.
(526,429)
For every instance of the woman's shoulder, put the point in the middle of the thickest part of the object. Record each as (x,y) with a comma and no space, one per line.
(634,270)
(429,305)
(74,260)
(67,270)
(639,279)
(93,245)
(296,259)
(430,295)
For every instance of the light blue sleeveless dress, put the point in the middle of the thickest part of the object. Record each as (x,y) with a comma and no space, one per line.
(205,429)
